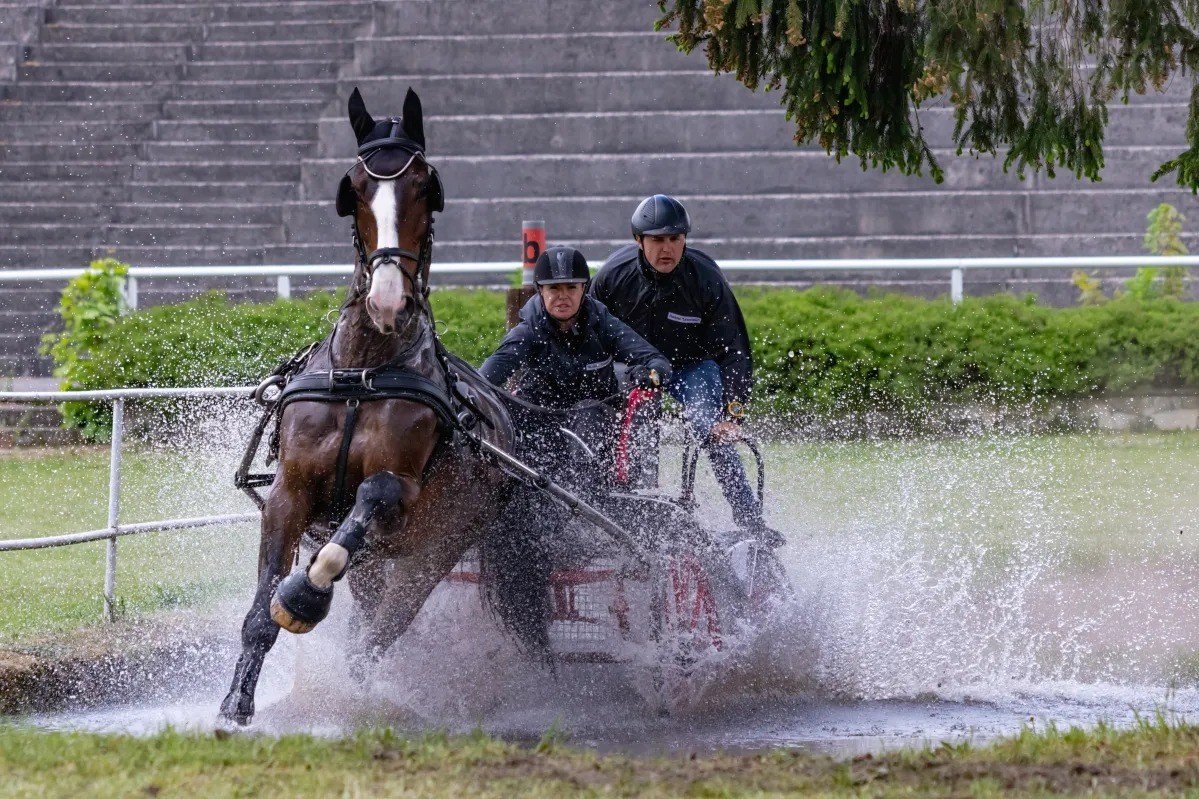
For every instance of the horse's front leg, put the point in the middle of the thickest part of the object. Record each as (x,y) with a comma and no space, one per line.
(302,600)
(284,520)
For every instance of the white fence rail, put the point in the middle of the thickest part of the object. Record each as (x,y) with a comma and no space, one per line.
(954,267)
(115,529)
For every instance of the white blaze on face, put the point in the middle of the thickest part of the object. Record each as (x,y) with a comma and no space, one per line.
(388,293)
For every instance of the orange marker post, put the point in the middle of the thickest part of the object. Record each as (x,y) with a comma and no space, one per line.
(532,237)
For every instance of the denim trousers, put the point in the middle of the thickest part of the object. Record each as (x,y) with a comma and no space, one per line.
(699,389)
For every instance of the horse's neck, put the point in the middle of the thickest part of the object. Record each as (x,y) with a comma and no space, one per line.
(358,344)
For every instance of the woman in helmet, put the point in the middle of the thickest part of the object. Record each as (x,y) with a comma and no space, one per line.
(563,350)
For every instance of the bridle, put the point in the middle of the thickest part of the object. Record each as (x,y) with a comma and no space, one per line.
(347,203)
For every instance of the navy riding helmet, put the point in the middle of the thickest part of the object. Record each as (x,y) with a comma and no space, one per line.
(560,265)
(660,215)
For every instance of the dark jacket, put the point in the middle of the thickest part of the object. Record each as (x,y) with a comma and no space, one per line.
(689,314)
(562,368)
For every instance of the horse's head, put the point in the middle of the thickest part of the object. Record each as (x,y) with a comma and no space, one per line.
(392,193)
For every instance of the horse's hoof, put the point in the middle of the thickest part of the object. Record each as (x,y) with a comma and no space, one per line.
(235,712)
(298,605)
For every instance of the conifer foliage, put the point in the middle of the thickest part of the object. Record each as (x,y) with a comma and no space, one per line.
(1031,80)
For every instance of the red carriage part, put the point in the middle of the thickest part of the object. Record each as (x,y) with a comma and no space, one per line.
(637,398)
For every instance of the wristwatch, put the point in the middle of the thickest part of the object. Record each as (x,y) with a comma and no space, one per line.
(734,410)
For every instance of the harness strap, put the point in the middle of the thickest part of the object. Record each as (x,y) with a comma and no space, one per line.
(366,385)
(340,505)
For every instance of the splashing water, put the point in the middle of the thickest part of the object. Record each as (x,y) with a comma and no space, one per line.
(943,589)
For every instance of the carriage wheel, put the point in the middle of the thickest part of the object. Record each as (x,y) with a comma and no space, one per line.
(685,627)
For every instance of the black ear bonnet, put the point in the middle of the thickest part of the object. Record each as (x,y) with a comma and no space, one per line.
(386,148)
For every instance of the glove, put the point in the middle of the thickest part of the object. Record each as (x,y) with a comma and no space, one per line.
(644,377)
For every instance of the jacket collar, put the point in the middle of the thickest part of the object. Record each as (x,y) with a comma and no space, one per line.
(539,318)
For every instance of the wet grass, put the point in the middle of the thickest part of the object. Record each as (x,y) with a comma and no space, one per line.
(60,491)
(1153,759)
(1093,498)
(1090,498)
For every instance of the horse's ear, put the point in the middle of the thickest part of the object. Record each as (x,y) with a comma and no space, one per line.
(347,198)
(362,122)
(414,120)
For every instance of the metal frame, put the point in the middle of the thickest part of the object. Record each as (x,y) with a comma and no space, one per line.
(956,267)
(114,528)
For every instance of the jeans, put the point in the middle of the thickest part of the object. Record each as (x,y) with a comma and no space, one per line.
(699,389)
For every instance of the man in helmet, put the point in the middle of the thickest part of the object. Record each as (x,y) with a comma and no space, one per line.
(676,297)
(562,352)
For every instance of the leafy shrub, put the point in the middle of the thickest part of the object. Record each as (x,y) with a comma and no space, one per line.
(211,341)
(823,352)
(1163,237)
(90,308)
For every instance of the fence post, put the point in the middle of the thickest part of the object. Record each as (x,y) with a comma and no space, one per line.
(283,287)
(130,293)
(114,509)
(955,285)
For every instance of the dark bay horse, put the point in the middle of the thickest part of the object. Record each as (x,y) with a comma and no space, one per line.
(372,415)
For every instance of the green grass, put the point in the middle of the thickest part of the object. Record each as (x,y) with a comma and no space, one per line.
(60,491)
(1153,759)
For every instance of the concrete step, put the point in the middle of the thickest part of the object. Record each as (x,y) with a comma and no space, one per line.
(232,130)
(339,27)
(228,212)
(664,132)
(56,254)
(515,16)
(196,191)
(93,72)
(59,151)
(151,32)
(695,131)
(312,89)
(150,12)
(26,191)
(279,111)
(208,234)
(241,151)
(559,92)
(755,216)
(61,213)
(340,50)
(74,254)
(41,232)
(778,172)
(519,52)
(89,171)
(46,110)
(107,53)
(1101,210)
(960,245)
(81,131)
(89,91)
(274,70)
(19,415)
(215,172)
(782,172)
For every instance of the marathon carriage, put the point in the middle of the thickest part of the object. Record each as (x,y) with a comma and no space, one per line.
(675,595)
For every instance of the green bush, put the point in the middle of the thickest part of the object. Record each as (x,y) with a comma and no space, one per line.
(830,352)
(210,341)
(821,352)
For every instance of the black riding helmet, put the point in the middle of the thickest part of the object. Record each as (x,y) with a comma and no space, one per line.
(660,215)
(561,265)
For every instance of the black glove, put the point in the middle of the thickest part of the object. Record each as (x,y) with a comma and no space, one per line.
(644,377)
